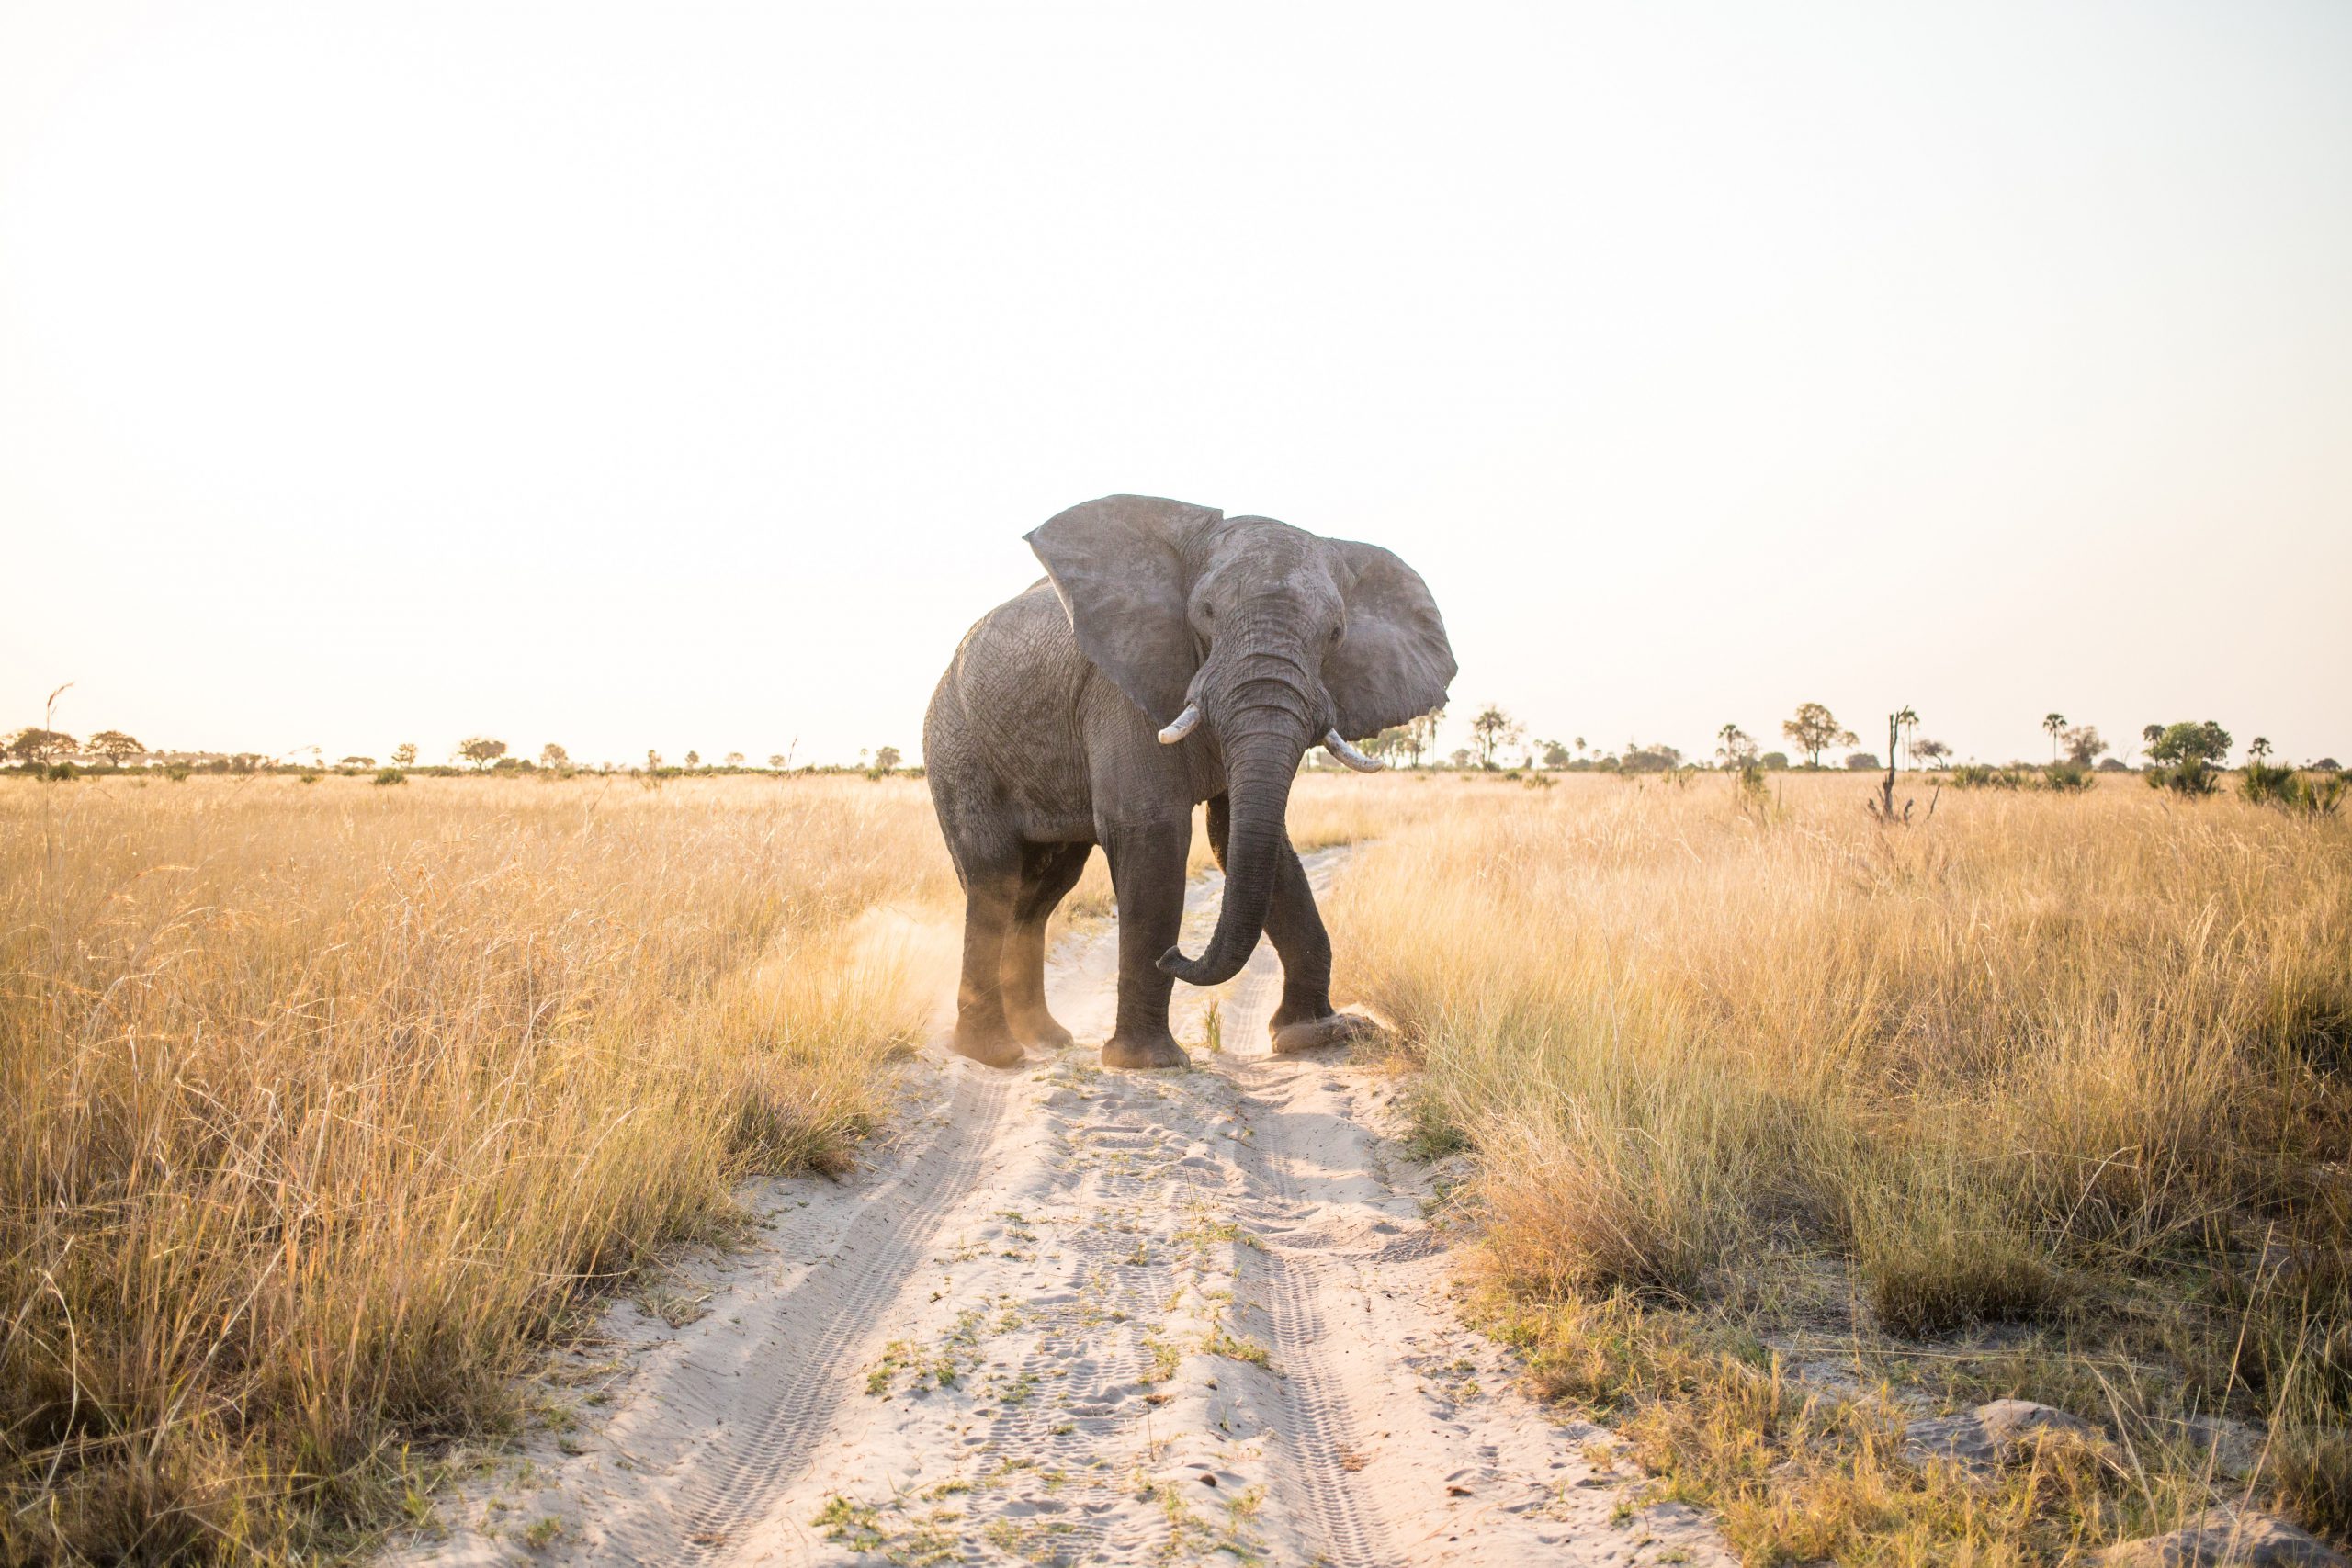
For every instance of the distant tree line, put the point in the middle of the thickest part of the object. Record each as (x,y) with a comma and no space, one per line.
(57,754)
(2188,758)
(1499,741)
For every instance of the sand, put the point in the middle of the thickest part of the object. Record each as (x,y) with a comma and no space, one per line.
(1069,1315)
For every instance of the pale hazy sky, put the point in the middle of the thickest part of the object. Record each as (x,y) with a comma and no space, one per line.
(683,377)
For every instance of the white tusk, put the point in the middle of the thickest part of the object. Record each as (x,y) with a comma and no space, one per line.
(1184,724)
(1335,743)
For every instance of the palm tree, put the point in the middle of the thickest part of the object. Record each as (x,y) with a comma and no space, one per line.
(2056,724)
(2258,748)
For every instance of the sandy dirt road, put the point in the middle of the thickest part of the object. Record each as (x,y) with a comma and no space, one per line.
(1070,1315)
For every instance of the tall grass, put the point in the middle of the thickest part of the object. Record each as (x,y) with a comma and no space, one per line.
(320,1105)
(2074,1063)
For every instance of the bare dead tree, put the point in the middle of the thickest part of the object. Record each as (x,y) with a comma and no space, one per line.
(1883,810)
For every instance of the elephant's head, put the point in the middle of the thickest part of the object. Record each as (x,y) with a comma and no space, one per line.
(1276,638)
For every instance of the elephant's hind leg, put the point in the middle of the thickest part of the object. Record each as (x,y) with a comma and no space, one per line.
(1047,873)
(992,889)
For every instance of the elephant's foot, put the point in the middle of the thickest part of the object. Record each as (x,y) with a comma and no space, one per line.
(994,1047)
(1041,1032)
(1144,1050)
(1331,1029)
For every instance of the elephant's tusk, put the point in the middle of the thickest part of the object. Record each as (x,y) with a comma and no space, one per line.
(1183,725)
(1337,744)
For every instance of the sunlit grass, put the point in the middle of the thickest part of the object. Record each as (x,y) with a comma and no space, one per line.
(2073,1064)
(324,1105)
(321,1104)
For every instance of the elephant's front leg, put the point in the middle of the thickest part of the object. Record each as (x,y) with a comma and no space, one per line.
(1305,1019)
(1148,877)
(1295,925)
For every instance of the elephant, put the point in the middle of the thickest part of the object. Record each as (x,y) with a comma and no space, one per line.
(1170,656)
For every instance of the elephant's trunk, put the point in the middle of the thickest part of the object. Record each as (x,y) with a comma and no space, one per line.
(1259,767)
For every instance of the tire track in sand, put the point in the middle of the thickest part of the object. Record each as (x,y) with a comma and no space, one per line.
(842,1299)
(1080,1316)
(1320,1431)
(725,1413)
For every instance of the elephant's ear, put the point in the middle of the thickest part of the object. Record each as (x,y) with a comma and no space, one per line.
(1394,662)
(1118,565)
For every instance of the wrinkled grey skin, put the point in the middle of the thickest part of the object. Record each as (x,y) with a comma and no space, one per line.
(1042,741)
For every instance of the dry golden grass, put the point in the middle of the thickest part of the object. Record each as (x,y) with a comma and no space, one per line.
(2070,1063)
(321,1104)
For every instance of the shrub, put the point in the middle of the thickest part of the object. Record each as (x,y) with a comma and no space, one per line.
(1862,762)
(2194,778)
(2290,791)
(2317,796)
(2067,778)
(2265,784)
(1750,790)
(1777,762)
(391,776)
(1984,775)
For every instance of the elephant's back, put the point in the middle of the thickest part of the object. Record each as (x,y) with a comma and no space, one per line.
(1010,696)
(1016,650)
